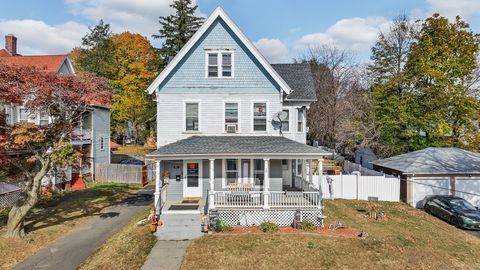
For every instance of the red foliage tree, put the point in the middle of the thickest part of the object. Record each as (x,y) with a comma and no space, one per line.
(35,149)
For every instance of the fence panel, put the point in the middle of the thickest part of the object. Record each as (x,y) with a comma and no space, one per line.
(361,187)
(120,173)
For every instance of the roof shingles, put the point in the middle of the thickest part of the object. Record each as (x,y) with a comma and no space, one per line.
(299,77)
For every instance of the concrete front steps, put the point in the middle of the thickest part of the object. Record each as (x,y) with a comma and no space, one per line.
(179,226)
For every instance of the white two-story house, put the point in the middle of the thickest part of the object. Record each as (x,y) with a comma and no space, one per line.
(231,128)
(92,136)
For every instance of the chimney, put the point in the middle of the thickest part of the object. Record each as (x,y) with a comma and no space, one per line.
(11,44)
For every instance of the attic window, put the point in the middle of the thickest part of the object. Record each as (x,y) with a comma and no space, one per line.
(219,64)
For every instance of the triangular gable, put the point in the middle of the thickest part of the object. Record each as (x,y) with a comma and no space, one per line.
(218,13)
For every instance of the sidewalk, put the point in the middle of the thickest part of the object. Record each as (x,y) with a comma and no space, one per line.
(174,237)
(74,248)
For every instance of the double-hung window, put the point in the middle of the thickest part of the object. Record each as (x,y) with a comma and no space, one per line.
(23,115)
(43,119)
(220,64)
(260,117)
(286,122)
(231,171)
(191,116)
(231,117)
(300,120)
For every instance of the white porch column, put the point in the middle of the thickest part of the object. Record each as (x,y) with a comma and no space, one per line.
(310,171)
(211,199)
(266,183)
(304,168)
(158,183)
(320,176)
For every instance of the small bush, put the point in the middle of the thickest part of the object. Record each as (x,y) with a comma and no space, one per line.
(224,228)
(268,227)
(307,225)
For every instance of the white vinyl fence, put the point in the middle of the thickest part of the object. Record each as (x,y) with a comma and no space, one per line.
(355,187)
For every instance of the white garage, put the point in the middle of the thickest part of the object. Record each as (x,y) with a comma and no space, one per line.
(435,171)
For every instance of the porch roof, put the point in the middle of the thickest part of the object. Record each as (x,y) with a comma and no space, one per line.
(234,146)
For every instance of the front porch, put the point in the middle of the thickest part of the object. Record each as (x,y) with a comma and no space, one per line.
(264,182)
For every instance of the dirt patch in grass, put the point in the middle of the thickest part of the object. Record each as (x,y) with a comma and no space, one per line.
(127,249)
(406,239)
(52,218)
(341,232)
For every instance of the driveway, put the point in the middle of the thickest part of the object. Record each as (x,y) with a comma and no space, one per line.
(74,248)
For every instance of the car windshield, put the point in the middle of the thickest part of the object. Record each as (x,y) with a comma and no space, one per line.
(462,205)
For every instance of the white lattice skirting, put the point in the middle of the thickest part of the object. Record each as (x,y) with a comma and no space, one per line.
(251,217)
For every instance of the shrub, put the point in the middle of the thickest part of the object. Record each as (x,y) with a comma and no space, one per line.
(307,225)
(221,227)
(268,227)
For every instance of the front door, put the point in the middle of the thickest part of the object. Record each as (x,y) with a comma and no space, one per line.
(286,172)
(192,181)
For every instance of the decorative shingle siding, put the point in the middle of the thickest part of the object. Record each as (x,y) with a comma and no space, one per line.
(189,74)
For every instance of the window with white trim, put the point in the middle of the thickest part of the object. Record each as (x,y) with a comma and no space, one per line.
(231,171)
(299,163)
(43,119)
(286,122)
(23,115)
(220,64)
(259,171)
(191,116)
(231,116)
(260,116)
(300,120)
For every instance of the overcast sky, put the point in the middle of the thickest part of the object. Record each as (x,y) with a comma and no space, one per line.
(281,29)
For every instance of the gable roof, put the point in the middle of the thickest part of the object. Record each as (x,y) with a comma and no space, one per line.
(434,160)
(299,77)
(218,13)
(49,63)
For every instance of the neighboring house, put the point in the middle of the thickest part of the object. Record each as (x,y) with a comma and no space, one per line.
(435,171)
(92,136)
(216,101)
(364,156)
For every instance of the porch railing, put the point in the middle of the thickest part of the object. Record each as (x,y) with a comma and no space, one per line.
(271,199)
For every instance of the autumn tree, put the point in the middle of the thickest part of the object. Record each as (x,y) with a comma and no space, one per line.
(134,69)
(36,149)
(177,28)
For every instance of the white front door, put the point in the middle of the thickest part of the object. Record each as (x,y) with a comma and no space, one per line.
(287,172)
(192,179)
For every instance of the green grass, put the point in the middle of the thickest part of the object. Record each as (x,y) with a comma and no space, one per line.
(53,217)
(127,249)
(407,239)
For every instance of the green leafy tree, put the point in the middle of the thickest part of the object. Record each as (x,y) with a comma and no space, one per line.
(95,55)
(178,28)
(441,65)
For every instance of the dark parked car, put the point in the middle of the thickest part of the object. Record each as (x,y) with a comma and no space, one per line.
(455,210)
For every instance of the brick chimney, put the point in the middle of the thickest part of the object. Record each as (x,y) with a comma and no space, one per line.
(11,44)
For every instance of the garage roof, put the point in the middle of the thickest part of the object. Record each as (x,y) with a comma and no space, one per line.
(434,160)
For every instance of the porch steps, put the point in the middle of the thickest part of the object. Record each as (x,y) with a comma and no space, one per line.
(179,226)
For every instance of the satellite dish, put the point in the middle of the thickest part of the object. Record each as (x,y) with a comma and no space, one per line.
(277,120)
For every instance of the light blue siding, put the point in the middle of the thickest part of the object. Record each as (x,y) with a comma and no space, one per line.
(189,75)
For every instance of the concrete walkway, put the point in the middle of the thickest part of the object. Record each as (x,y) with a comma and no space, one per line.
(74,248)
(174,236)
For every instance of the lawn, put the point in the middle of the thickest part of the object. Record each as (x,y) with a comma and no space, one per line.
(54,217)
(407,239)
(127,249)
(134,150)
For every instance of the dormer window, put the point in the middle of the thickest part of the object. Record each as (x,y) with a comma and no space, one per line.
(219,64)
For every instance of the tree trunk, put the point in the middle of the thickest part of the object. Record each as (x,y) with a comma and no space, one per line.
(16,217)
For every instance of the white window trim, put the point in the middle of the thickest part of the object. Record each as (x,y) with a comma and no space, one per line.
(289,120)
(303,120)
(297,173)
(35,119)
(252,117)
(184,117)
(219,63)
(224,171)
(239,113)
